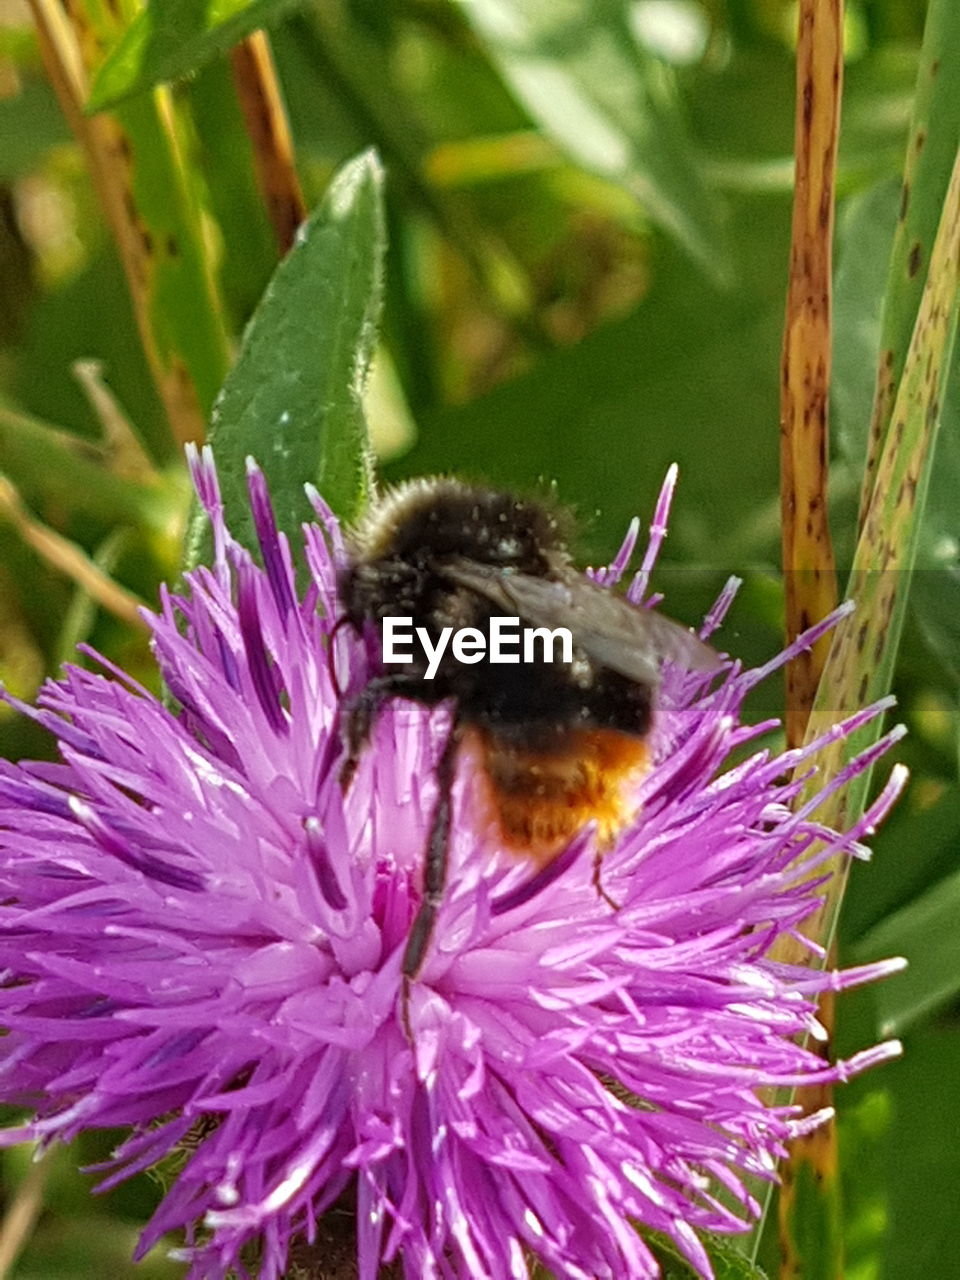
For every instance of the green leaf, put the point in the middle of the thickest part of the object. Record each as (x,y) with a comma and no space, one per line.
(860,667)
(916,847)
(585,79)
(729,1263)
(865,235)
(293,401)
(934,133)
(865,227)
(727,1260)
(170,39)
(901,1163)
(926,933)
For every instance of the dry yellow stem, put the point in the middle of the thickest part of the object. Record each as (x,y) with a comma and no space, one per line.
(811,586)
(811,583)
(258,92)
(126,456)
(69,559)
(22,1213)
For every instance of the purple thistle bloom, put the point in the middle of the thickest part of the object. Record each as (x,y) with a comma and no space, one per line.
(200,935)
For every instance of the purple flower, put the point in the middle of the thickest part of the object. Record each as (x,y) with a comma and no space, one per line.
(200,935)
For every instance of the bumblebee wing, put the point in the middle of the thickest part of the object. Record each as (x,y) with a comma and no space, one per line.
(613,632)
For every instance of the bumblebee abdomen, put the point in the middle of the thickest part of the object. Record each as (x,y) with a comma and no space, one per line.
(539,798)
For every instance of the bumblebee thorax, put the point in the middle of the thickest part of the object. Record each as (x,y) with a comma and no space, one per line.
(424,521)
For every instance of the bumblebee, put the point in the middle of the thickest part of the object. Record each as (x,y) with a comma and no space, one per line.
(558,743)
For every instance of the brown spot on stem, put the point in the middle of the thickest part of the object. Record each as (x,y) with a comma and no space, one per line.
(914,259)
(807,103)
(904,200)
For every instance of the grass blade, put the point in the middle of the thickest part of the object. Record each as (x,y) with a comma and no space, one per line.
(137,165)
(934,131)
(170,39)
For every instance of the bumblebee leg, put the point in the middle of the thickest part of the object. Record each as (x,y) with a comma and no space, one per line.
(360,714)
(434,870)
(598,883)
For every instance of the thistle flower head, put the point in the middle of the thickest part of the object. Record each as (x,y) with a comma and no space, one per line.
(201,940)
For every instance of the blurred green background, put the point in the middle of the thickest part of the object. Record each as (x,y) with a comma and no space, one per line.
(588,208)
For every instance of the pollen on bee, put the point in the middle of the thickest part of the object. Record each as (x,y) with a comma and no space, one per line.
(537,800)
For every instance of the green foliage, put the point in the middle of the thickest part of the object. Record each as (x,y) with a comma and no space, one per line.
(155,215)
(931,149)
(889,240)
(58,470)
(294,398)
(901,1167)
(727,1261)
(925,932)
(588,218)
(29,122)
(591,85)
(173,38)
